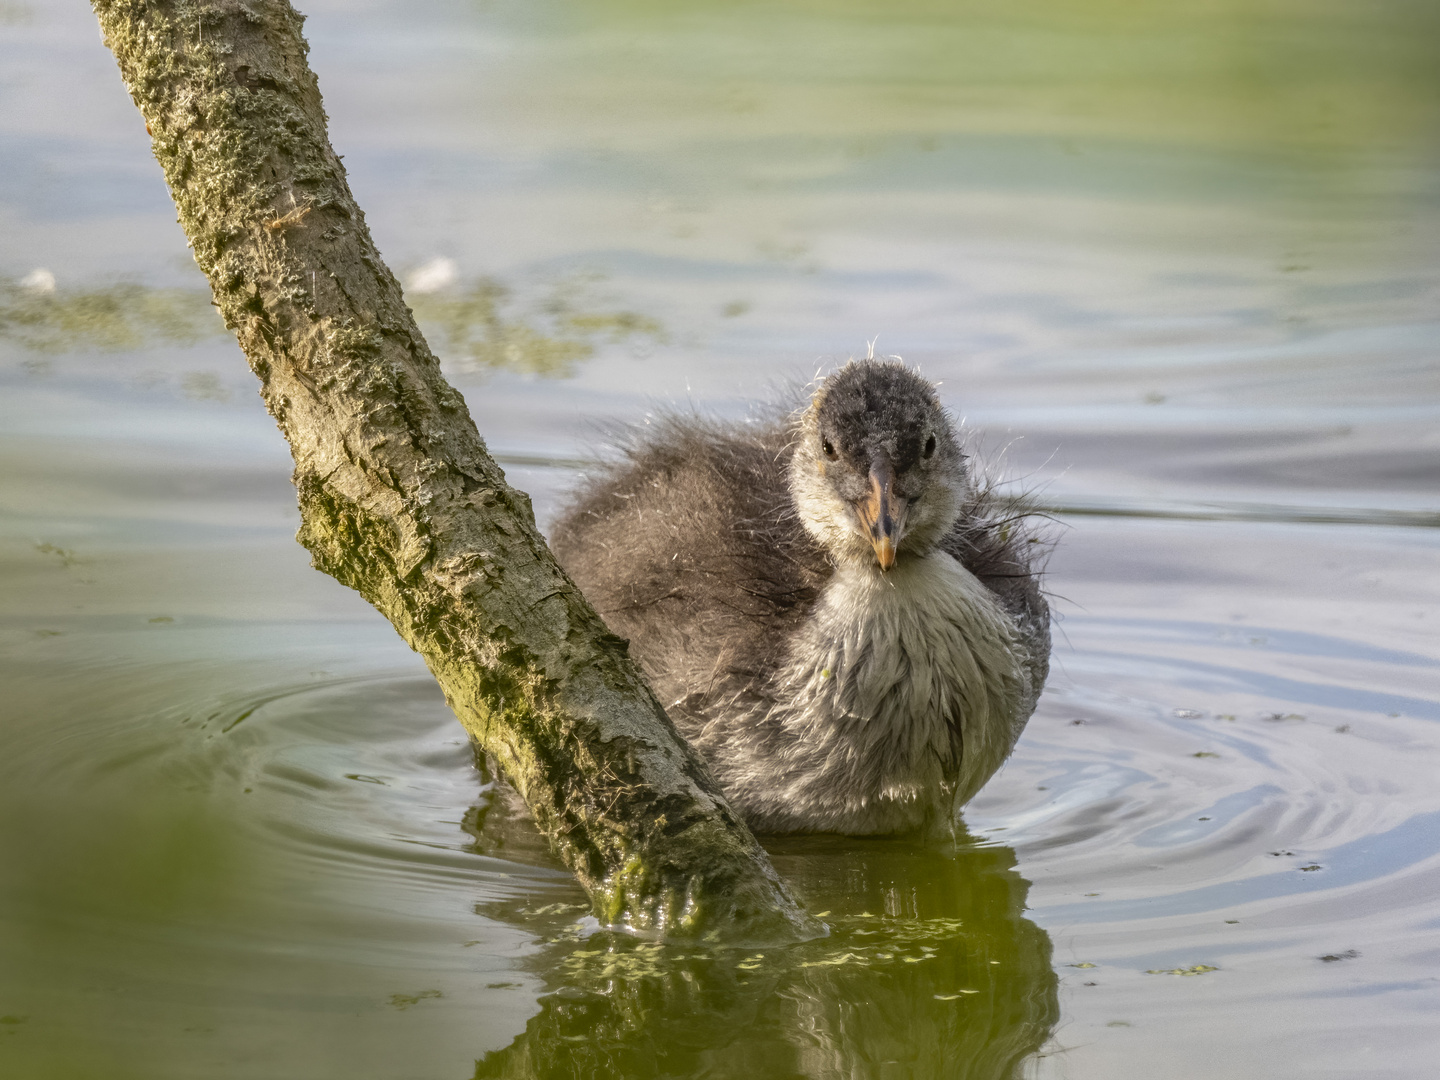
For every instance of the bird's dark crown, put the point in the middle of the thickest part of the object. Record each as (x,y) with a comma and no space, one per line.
(873,404)
(877,473)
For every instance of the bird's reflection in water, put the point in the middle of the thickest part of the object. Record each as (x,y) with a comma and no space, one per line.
(931,970)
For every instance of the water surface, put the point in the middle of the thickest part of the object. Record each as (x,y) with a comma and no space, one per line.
(1173,265)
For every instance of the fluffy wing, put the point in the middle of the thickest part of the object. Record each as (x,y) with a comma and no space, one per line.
(689,547)
(996,538)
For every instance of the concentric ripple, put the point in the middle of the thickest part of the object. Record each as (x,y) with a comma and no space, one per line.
(280,828)
(1257,802)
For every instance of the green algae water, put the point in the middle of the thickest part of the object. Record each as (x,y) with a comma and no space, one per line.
(1173,264)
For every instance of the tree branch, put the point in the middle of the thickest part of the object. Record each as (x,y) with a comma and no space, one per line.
(398,497)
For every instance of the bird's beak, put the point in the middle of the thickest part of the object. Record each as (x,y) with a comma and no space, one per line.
(882,512)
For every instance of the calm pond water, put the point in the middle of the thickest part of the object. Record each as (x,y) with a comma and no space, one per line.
(1175,265)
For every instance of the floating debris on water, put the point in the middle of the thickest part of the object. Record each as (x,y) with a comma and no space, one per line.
(880,940)
(38,316)
(845,958)
(65,555)
(556,909)
(480,332)
(404,1001)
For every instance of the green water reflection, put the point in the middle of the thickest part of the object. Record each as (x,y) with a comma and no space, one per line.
(226,877)
(104,894)
(1254,75)
(931,970)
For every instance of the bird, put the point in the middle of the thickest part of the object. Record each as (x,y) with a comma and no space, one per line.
(836,607)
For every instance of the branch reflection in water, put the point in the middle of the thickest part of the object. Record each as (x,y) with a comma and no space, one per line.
(930,970)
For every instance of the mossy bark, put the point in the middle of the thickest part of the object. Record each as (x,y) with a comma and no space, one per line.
(398,496)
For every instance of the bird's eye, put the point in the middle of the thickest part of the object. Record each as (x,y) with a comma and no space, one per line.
(930,446)
(829,448)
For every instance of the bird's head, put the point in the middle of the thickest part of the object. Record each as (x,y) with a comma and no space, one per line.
(877,473)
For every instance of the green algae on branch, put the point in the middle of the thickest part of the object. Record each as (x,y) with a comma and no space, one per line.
(399,498)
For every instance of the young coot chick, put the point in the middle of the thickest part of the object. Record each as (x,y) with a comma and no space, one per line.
(835,611)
